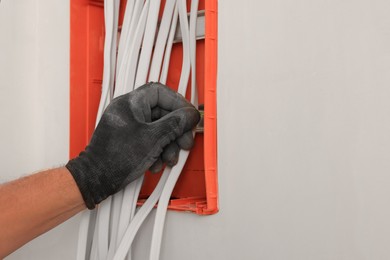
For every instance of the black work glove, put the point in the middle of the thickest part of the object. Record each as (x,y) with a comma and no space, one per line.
(140,130)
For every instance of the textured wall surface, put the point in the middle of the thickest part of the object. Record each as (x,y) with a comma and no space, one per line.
(304,143)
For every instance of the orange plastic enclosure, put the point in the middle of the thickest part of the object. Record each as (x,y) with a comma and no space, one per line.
(197,188)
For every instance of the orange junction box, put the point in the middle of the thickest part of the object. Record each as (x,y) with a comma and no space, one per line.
(197,188)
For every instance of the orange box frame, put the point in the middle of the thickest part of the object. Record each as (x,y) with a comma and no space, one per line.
(197,188)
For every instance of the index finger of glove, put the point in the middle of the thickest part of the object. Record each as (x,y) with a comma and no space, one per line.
(159,95)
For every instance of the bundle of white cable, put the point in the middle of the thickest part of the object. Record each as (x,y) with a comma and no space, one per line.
(108,231)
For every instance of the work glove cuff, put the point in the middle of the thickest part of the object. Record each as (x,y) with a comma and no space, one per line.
(89,185)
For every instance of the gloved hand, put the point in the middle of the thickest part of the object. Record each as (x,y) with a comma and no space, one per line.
(139,130)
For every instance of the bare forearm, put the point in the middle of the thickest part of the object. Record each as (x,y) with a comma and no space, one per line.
(35,204)
(151,122)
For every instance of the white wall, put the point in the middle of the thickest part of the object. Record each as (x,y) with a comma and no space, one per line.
(34,104)
(304,140)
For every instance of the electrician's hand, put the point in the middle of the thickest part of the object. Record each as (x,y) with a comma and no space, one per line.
(138,131)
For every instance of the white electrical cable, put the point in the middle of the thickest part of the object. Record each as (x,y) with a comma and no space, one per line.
(139,218)
(116,206)
(130,70)
(139,26)
(125,43)
(129,208)
(93,250)
(148,43)
(143,65)
(142,69)
(129,202)
(102,227)
(129,205)
(168,49)
(111,23)
(83,241)
(130,233)
(118,199)
(125,30)
(161,41)
(159,48)
(133,11)
(185,70)
(163,204)
(128,29)
(183,155)
(88,218)
(85,236)
(114,49)
(193,18)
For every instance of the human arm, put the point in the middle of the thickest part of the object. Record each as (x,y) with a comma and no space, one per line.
(32,205)
(138,131)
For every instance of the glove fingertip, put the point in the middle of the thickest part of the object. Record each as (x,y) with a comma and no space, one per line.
(170,155)
(156,166)
(186,141)
(192,118)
